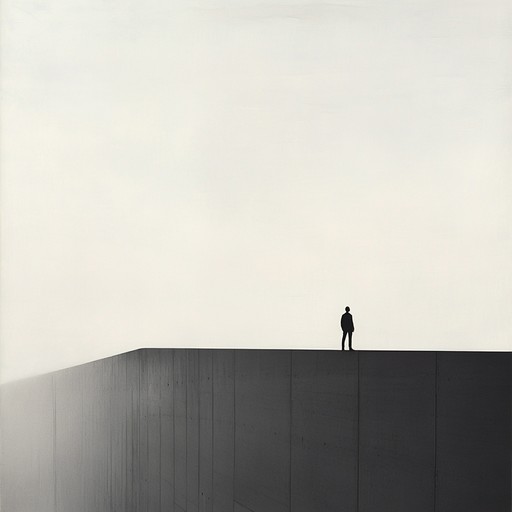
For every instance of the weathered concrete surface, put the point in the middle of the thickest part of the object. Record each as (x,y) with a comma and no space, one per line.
(223,362)
(205,431)
(180,429)
(192,431)
(261,431)
(156,431)
(324,431)
(397,431)
(72,444)
(28,446)
(473,432)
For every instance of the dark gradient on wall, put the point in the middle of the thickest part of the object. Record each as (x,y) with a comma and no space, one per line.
(176,430)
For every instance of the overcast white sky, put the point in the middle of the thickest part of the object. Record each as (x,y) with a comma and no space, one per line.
(234,173)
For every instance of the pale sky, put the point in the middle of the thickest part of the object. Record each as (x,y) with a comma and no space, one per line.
(196,173)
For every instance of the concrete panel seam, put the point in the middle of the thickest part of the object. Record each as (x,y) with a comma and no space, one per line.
(54,399)
(213,427)
(110,472)
(173,430)
(138,427)
(290,432)
(160,451)
(174,427)
(435,430)
(234,426)
(199,430)
(358,426)
(186,429)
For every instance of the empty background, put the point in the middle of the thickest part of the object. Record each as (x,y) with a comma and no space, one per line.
(232,174)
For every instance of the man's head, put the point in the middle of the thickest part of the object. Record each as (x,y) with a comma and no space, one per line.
(347,309)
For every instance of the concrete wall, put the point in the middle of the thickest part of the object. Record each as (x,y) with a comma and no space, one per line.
(70,440)
(261,431)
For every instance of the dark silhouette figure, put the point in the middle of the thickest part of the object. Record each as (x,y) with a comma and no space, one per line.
(347,326)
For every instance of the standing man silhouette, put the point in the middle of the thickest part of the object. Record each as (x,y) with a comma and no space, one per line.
(347,326)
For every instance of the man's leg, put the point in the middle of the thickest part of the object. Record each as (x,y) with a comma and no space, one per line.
(350,341)
(343,340)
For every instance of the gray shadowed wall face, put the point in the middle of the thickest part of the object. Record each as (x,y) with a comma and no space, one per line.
(261,431)
(232,174)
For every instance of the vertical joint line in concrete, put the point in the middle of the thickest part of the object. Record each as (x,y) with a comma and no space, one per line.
(358,427)
(198,384)
(110,448)
(54,400)
(186,428)
(173,374)
(435,430)
(128,404)
(146,426)
(290,432)
(141,411)
(234,424)
(213,424)
(160,450)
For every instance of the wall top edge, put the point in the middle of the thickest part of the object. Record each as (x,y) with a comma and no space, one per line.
(137,354)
